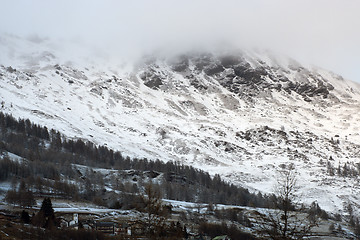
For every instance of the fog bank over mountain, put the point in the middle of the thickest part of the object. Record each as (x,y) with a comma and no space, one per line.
(320,32)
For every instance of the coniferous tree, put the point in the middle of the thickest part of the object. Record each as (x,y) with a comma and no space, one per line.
(46,208)
(46,216)
(25,218)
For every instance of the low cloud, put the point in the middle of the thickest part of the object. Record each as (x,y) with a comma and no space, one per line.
(322,32)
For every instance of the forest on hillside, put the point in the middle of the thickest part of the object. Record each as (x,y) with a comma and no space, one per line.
(50,163)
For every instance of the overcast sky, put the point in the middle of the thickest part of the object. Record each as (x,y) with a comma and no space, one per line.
(322,32)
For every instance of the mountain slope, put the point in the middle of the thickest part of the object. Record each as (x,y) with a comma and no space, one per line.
(243,114)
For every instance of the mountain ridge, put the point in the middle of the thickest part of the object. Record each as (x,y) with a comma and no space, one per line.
(243,115)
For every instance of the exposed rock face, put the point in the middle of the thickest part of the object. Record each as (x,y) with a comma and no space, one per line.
(151,79)
(240,75)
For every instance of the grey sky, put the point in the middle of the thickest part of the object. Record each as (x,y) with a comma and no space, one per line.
(323,32)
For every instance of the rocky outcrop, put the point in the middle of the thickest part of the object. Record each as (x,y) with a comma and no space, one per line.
(237,73)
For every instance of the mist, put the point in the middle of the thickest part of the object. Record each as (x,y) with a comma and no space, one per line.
(325,33)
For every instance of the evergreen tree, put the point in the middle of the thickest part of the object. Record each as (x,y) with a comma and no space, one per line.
(25,218)
(45,217)
(46,208)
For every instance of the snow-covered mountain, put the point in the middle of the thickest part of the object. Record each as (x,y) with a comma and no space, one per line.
(243,114)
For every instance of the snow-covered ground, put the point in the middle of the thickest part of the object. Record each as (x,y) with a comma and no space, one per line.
(110,105)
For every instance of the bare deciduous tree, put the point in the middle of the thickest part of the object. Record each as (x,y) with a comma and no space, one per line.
(288,220)
(155,209)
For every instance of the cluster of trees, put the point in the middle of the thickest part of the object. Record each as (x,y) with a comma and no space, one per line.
(26,169)
(215,229)
(345,170)
(234,215)
(45,218)
(22,196)
(315,211)
(40,177)
(8,122)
